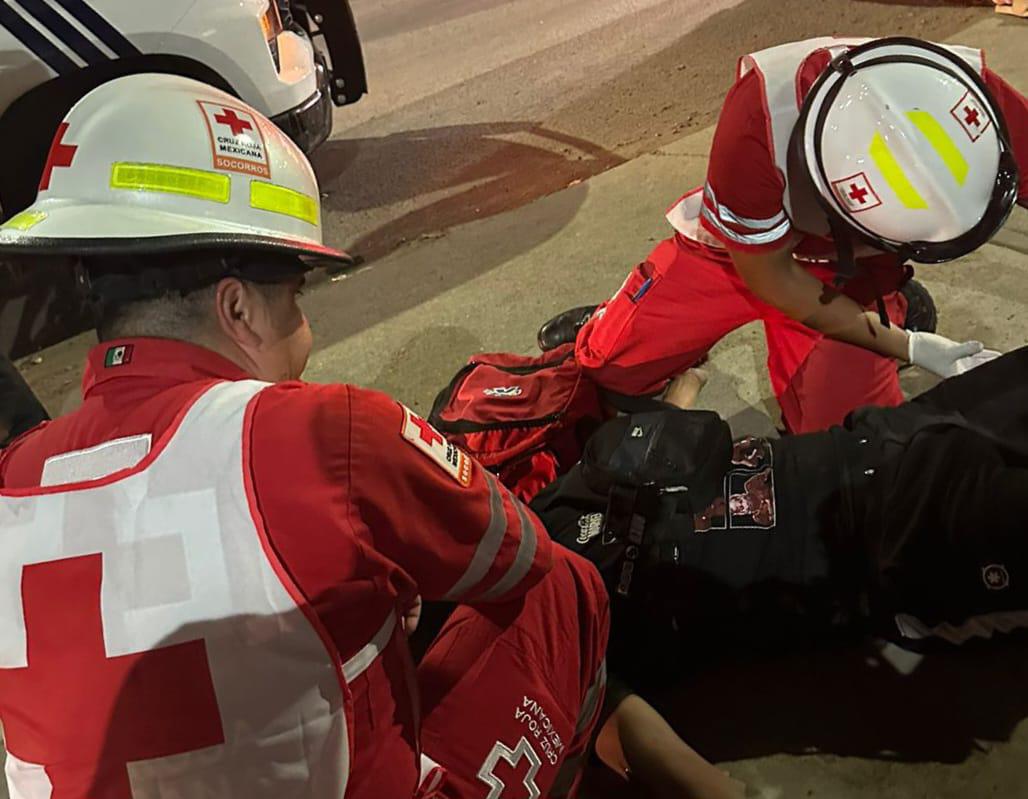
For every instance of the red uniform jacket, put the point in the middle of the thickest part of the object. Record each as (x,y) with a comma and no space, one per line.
(364,518)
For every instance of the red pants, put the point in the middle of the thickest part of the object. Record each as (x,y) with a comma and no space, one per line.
(511,692)
(674,307)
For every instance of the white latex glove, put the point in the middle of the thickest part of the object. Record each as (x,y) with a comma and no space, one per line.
(974,361)
(944,357)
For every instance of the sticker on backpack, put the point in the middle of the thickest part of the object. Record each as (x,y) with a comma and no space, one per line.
(503,391)
(450,458)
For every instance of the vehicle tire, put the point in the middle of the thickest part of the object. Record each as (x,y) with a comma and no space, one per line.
(922,315)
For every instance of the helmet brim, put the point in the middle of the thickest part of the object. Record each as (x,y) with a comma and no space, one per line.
(101,230)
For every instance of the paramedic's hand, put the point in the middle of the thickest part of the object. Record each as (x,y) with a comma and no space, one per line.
(945,357)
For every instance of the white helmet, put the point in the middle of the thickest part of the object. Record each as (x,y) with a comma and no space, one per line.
(905,148)
(160,164)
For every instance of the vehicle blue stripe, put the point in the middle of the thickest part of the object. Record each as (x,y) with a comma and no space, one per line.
(99,27)
(64,31)
(35,41)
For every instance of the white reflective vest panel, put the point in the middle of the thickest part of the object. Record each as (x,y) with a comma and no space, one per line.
(182,563)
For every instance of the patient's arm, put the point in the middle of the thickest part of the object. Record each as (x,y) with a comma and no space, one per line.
(684,389)
(637,743)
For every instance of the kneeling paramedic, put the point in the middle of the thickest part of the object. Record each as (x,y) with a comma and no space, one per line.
(211,567)
(834,163)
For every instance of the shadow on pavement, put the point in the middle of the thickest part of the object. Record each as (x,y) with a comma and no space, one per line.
(369,296)
(417,360)
(454,174)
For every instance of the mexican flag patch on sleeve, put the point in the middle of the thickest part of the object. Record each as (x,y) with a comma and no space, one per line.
(118,356)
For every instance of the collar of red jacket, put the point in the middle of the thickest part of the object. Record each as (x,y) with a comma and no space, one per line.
(162,359)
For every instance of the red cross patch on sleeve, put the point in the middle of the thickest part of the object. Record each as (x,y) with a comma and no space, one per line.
(450,458)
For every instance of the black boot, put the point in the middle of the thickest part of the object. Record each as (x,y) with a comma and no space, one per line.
(922,316)
(564,327)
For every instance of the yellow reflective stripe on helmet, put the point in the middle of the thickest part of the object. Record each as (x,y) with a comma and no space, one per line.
(280,200)
(942,143)
(172,180)
(894,174)
(26,220)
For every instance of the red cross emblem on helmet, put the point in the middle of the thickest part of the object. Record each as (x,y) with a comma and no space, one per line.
(971,116)
(237,141)
(856,193)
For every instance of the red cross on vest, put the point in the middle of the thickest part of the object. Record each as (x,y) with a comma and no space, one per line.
(858,193)
(427,433)
(971,116)
(60,155)
(84,715)
(228,117)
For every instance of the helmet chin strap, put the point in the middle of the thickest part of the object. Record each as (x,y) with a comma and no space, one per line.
(846,262)
(808,207)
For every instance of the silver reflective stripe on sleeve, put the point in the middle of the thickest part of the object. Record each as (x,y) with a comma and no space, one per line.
(983,626)
(565,779)
(522,560)
(592,698)
(768,237)
(731,217)
(358,664)
(485,554)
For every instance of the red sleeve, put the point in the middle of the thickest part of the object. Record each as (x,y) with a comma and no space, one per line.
(1014,107)
(435,512)
(743,199)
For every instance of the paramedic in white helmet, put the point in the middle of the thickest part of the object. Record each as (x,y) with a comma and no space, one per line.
(834,164)
(210,568)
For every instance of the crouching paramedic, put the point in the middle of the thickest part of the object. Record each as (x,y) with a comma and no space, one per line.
(210,567)
(835,161)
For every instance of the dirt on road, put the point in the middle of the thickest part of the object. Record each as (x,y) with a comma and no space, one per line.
(681,88)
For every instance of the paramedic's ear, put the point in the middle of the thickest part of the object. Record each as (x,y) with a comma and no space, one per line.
(235,312)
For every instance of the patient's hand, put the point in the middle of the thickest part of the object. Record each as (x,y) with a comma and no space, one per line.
(411,616)
(684,389)
(639,745)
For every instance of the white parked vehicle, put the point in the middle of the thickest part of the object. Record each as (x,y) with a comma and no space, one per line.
(291,59)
